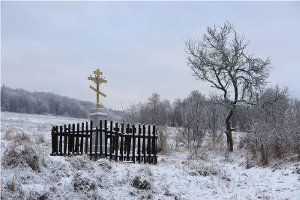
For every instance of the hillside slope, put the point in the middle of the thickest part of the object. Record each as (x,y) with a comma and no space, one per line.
(22,101)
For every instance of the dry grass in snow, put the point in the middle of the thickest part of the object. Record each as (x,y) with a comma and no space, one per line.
(28,172)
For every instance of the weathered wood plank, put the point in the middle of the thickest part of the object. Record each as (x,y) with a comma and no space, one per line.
(122,139)
(105,137)
(91,140)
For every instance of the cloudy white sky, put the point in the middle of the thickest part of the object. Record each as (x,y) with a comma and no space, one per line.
(139,46)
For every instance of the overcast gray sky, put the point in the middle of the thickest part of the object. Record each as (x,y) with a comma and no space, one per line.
(139,46)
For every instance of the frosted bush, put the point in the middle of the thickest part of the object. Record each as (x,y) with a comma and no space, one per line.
(21,156)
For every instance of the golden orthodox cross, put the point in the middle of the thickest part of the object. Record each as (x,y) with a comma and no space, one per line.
(98,79)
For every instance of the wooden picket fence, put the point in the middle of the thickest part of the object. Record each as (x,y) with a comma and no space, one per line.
(114,141)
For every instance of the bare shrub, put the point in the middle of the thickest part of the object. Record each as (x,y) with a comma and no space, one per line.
(296,169)
(139,184)
(11,186)
(104,164)
(273,127)
(162,139)
(167,191)
(7,136)
(79,162)
(250,162)
(81,183)
(11,190)
(179,141)
(196,152)
(203,169)
(38,196)
(145,171)
(266,143)
(19,137)
(22,156)
(40,139)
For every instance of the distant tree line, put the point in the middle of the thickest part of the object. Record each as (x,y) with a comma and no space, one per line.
(196,115)
(272,123)
(22,101)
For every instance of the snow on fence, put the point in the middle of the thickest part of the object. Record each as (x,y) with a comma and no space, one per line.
(114,141)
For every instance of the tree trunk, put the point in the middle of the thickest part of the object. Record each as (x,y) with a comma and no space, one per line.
(228,130)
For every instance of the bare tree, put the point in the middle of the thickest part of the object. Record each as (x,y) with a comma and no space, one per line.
(220,58)
(132,113)
(272,130)
(193,119)
(215,114)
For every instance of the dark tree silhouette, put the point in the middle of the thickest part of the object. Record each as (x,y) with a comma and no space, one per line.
(220,58)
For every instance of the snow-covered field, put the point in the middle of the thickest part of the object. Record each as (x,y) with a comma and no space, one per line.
(29,172)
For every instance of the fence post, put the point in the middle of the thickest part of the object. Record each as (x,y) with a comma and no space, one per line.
(127,142)
(86,137)
(139,143)
(154,145)
(65,139)
(77,140)
(101,133)
(60,140)
(105,137)
(56,140)
(133,143)
(111,140)
(149,143)
(144,145)
(53,140)
(91,141)
(73,139)
(81,143)
(96,143)
(116,140)
(122,139)
(69,138)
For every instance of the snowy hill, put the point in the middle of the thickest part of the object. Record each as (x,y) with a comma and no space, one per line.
(29,172)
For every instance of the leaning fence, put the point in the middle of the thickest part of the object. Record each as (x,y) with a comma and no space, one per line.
(120,142)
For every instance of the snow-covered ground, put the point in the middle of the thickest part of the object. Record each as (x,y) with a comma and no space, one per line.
(29,172)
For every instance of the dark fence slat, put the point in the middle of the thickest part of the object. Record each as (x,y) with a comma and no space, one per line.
(96,142)
(77,139)
(87,136)
(133,143)
(139,143)
(116,140)
(69,139)
(127,144)
(101,133)
(144,145)
(53,140)
(60,140)
(122,139)
(154,145)
(149,143)
(111,140)
(65,140)
(126,140)
(91,140)
(81,142)
(73,139)
(56,140)
(105,137)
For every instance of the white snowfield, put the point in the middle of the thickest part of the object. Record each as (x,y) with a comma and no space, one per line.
(37,175)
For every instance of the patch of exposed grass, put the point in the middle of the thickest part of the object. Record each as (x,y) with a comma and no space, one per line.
(24,156)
